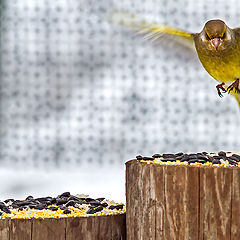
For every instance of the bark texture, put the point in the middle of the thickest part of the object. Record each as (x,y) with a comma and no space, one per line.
(182,202)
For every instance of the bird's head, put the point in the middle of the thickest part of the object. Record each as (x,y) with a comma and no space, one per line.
(216,35)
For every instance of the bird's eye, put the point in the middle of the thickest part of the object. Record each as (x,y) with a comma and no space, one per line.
(224,35)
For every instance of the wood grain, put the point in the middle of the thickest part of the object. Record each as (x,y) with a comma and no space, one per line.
(158,182)
(53,229)
(182,202)
(108,227)
(133,188)
(4,229)
(20,229)
(235,218)
(119,227)
(215,204)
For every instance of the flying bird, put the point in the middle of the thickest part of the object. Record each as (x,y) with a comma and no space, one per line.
(217,47)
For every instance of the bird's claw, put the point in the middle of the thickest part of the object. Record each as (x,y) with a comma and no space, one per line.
(219,88)
(234,86)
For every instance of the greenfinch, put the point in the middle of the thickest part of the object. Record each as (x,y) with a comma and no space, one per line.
(217,46)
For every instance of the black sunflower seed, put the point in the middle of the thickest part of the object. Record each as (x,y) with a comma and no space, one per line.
(222,153)
(40,206)
(236,156)
(148,158)
(6,210)
(118,207)
(9,200)
(100,199)
(29,198)
(168,155)
(15,206)
(179,154)
(233,158)
(232,162)
(74,198)
(139,157)
(90,200)
(202,157)
(70,203)
(65,194)
(53,208)
(67,211)
(104,204)
(60,201)
(91,211)
(192,156)
(23,203)
(43,199)
(192,160)
(184,158)
(53,200)
(32,206)
(179,157)
(99,208)
(168,160)
(216,161)
(210,158)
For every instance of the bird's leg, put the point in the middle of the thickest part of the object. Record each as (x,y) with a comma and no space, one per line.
(219,88)
(234,86)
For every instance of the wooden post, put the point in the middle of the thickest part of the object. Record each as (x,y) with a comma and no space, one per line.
(169,202)
(108,227)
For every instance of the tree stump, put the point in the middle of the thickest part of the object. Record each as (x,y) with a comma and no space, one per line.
(168,202)
(112,227)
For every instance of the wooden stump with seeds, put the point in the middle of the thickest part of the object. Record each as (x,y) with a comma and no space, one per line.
(176,202)
(112,227)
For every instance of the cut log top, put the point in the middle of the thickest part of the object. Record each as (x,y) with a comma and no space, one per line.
(65,217)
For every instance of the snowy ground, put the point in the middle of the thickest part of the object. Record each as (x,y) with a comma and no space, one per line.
(96,182)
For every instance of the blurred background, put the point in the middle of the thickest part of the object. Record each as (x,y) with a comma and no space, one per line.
(80,95)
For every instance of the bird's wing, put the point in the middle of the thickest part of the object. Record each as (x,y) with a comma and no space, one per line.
(237,97)
(150,30)
(236,30)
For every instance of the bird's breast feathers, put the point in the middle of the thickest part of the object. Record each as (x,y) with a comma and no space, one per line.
(223,67)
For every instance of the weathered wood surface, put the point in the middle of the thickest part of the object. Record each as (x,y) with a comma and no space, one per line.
(112,227)
(182,202)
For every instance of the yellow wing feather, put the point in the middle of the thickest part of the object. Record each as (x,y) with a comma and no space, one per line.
(149,30)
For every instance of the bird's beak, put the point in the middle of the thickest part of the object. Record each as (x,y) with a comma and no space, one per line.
(216,42)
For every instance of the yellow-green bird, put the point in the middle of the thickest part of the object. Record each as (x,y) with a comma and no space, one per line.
(217,46)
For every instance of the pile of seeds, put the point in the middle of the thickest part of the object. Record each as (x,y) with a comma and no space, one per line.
(64,205)
(221,159)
